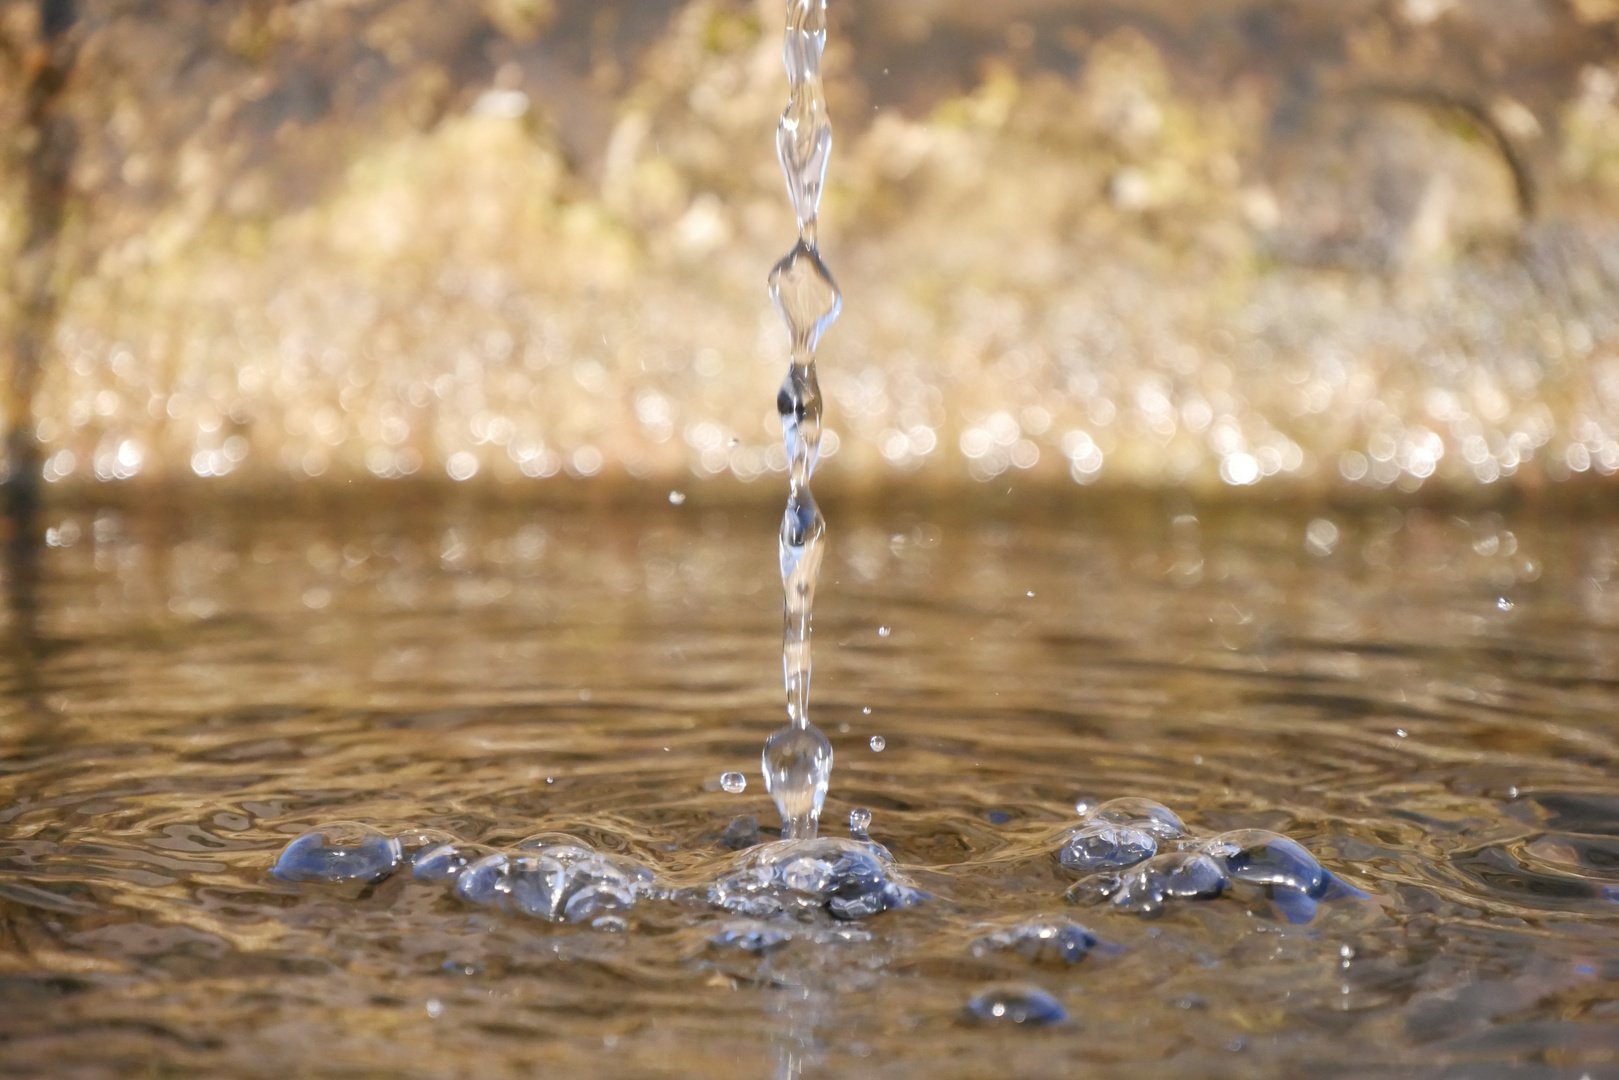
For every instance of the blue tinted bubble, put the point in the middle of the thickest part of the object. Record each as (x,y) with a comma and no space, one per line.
(597,899)
(898,896)
(1179,875)
(534,883)
(1029,1006)
(1295,907)
(445,861)
(1101,846)
(340,851)
(484,882)
(1336,888)
(1266,858)
(1059,940)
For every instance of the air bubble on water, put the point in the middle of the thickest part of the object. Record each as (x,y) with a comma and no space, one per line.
(1094,847)
(1144,814)
(859,823)
(878,743)
(734,782)
(339,851)
(1040,940)
(1179,875)
(848,879)
(1026,1005)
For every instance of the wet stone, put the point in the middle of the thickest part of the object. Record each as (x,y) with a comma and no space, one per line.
(1026,1005)
(1059,940)
(1091,848)
(340,851)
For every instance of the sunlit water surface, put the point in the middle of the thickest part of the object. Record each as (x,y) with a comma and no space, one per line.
(1424,700)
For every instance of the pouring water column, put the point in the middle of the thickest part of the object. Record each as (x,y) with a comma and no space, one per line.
(797,760)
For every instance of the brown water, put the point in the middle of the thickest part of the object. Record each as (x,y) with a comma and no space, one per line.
(1428,706)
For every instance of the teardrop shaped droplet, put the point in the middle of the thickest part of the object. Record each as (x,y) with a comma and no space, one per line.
(807,297)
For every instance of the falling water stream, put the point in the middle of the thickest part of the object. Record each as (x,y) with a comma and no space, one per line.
(797,760)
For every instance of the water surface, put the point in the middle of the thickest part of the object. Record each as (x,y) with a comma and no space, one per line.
(1424,699)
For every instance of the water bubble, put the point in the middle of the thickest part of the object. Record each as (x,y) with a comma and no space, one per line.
(1061,940)
(797,766)
(445,861)
(1090,848)
(339,851)
(484,882)
(1266,858)
(878,743)
(1142,814)
(1179,875)
(859,822)
(1016,1005)
(1084,805)
(734,782)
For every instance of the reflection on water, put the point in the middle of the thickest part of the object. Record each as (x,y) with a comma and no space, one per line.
(1423,699)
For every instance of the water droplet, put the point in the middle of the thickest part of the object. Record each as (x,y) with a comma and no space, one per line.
(859,823)
(884,631)
(806,296)
(866,710)
(1504,604)
(1084,805)
(435,1008)
(734,782)
(797,766)
(677,498)
(878,743)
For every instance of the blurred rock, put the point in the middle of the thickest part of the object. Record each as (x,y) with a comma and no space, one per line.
(1148,243)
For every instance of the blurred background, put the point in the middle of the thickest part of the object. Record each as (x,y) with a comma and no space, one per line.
(1321,243)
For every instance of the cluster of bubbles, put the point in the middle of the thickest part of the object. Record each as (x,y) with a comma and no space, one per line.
(1139,857)
(550,876)
(559,878)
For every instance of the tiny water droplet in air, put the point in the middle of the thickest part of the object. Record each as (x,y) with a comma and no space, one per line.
(1029,594)
(877,744)
(1400,732)
(734,782)
(1504,604)
(1084,805)
(678,498)
(435,1008)
(584,695)
(859,822)
(866,710)
(884,631)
